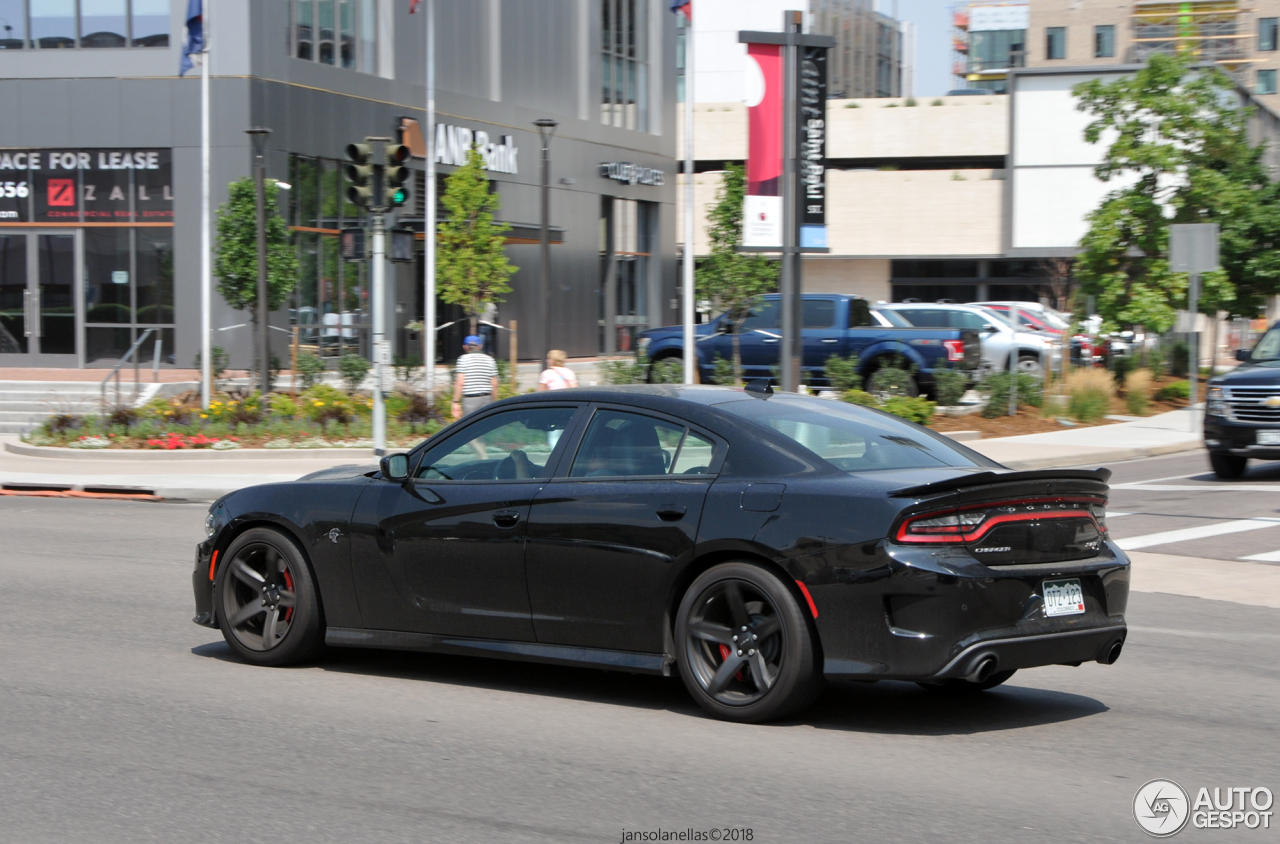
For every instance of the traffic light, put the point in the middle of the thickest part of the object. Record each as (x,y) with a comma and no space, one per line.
(396,194)
(360,174)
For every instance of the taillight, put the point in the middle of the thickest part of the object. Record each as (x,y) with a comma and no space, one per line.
(969,524)
(955,349)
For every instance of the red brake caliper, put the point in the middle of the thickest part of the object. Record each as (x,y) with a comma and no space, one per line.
(288,581)
(725,653)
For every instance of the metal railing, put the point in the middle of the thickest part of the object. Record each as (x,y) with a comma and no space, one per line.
(132,353)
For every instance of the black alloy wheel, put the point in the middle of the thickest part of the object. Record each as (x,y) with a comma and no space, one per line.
(746,647)
(1228,467)
(266,600)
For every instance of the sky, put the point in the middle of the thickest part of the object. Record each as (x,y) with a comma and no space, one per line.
(933,42)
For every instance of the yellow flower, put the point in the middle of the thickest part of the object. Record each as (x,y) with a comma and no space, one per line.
(318,404)
(204,416)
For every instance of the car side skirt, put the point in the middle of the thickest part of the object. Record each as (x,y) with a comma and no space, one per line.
(636,663)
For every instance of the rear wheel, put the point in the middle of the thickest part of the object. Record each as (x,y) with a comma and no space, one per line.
(1030,365)
(888,381)
(1227,466)
(959,686)
(266,601)
(746,647)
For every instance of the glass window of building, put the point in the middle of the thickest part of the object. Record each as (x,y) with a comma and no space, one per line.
(1268,33)
(150,23)
(103,23)
(53,24)
(342,33)
(624,64)
(13,24)
(1055,42)
(1266,82)
(1104,41)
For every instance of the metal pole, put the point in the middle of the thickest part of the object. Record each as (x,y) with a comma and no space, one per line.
(689,282)
(546,128)
(259,135)
(206,246)
(379,329)
(792,346)
(429,227)
(1193,351)
(1013,363)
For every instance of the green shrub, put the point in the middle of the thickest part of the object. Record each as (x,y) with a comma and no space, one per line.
(310,368)
(354,368)
(1174,391)
(950,385)
(1121,367)
(625,371)
(1179,355)
(996,387)
(892,379)
(283,407)
(667,371)
(1137,387)
(859,397)
(842,373)
(218,361)
(1089,393)
(918,409)
(723,373)
(1155,361)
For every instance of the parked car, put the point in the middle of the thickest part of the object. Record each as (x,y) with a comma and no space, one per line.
(1242,409)
(998,337)
(1033,316)
(757,544)
(833,325)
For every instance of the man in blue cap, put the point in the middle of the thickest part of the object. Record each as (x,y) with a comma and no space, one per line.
(477,381)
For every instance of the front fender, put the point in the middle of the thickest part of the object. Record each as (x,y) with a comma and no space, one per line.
(871,358)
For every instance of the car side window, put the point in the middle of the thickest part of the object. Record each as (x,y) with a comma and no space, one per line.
(763,315)
(965,319)
(819,313)
(925,317)
(514,445)
(860,314)
(619,444)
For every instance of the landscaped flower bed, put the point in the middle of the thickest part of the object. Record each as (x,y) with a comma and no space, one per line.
(321,417)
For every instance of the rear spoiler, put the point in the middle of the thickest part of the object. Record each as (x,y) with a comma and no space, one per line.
(987,478)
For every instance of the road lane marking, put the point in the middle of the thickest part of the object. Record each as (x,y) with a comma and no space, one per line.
(1133,543)
(1115,514)
(1269,557)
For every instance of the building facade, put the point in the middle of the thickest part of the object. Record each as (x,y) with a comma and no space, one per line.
(988,40)
(100,165)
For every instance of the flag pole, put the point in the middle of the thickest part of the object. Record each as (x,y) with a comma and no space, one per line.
(690,350)
(429,214)
(206,269)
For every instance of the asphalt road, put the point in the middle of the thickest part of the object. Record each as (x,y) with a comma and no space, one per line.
(120,720)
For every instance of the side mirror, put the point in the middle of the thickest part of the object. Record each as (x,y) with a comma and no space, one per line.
(1244,355)
(987,328)
(725,327)
(395,467)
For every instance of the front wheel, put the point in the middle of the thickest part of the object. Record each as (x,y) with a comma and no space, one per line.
(745,646)
(266,602)
(1030,365)
(1229,467)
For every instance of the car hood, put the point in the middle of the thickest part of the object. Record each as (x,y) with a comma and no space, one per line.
(1265,373)
(340,473)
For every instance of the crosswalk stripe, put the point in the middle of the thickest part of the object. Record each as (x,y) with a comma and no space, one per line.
(1133,543)
(1269,557)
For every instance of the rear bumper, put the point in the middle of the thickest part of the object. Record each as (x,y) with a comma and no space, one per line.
(1067,648)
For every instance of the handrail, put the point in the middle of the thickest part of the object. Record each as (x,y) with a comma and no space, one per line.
(115,370)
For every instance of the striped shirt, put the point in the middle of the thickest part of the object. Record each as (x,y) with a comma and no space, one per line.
(478,370)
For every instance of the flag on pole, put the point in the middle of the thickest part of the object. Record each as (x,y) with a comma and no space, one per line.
(683,7)
(194,41)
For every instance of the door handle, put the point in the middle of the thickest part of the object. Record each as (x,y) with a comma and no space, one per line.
(26,313)
(671,513)
(506,518)
(771,339)
(831,339)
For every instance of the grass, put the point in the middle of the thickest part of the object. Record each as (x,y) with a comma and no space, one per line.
(1137,391)
(1089,393)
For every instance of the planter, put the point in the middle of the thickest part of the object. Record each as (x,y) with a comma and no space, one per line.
(183,454)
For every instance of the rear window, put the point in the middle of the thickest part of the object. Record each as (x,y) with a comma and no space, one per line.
(855,439)
(819,313)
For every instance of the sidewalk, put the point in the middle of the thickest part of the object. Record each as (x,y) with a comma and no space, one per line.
(1163,434)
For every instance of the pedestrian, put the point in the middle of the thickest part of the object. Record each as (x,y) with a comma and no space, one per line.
(477,381)
(557,376)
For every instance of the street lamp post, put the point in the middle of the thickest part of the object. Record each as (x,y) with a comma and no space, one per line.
(259,135)
(546,128)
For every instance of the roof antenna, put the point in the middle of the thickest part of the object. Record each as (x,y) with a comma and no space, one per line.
(760,387)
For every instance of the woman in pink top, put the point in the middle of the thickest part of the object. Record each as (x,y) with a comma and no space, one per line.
(557,376)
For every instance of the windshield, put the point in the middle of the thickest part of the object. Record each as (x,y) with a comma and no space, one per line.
(893,317)
(1268,347)
(852,438)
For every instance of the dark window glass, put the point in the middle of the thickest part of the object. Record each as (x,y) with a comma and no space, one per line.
(53,24)
(621,444)
(1104,41)
(57,274)
(513,445)
(694,457)
(13,24)
(1266,82)
(965,319)
(107,281)
(368,36)
(150,24)
(13,289)
(347,33)
(763,315)
(860,313)
(935,269)
(105,344)
(103,23)
(304,32)
(819,313)
(1268,33)
(325,45)
(1056,42)
(155,276)
(926,317)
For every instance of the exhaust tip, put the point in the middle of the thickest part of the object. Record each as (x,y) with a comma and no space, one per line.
(982,667)
(1111,653)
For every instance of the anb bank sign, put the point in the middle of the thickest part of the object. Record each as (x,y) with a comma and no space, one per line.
(86,186)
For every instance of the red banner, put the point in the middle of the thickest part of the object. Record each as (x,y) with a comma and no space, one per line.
(762,208)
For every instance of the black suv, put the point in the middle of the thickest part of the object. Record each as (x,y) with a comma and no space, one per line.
(1242,411)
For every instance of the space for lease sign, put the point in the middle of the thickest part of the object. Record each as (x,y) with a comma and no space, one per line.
(86,185)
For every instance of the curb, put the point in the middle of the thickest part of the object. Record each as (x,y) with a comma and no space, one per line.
(182,454)
(1111,456)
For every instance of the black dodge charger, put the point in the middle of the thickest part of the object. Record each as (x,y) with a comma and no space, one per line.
(757,543)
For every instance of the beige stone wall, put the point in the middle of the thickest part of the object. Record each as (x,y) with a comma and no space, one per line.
(868,278)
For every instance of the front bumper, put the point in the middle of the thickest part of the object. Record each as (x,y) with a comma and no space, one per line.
(1227,436)
(203,586)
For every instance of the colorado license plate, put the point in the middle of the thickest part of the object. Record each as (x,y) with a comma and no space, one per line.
(1269,438)
(1062,597)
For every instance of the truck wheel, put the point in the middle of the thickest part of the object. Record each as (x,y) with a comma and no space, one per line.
(1030,365)
(1229,467)
(886,381)
(662,372)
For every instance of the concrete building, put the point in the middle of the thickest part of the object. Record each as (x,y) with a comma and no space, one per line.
(100,164)
(988,39)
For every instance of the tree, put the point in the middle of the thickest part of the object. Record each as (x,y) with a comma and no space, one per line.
(471,259)
(1181,140)
(733,281)
(236,260)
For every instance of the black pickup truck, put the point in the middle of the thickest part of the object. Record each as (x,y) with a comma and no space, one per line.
(1242,409)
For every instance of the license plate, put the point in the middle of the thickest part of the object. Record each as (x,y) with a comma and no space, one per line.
(1269,438)
(1062,597)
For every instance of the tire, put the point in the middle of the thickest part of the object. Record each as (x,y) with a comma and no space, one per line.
(1228,467)
(1030,365)
(251,604)
(964,687)
(872,385)
(779,677)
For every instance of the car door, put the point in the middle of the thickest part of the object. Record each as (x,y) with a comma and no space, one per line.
(606,537)
(761,340)
(823,337)
(864,329)
(444,552)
